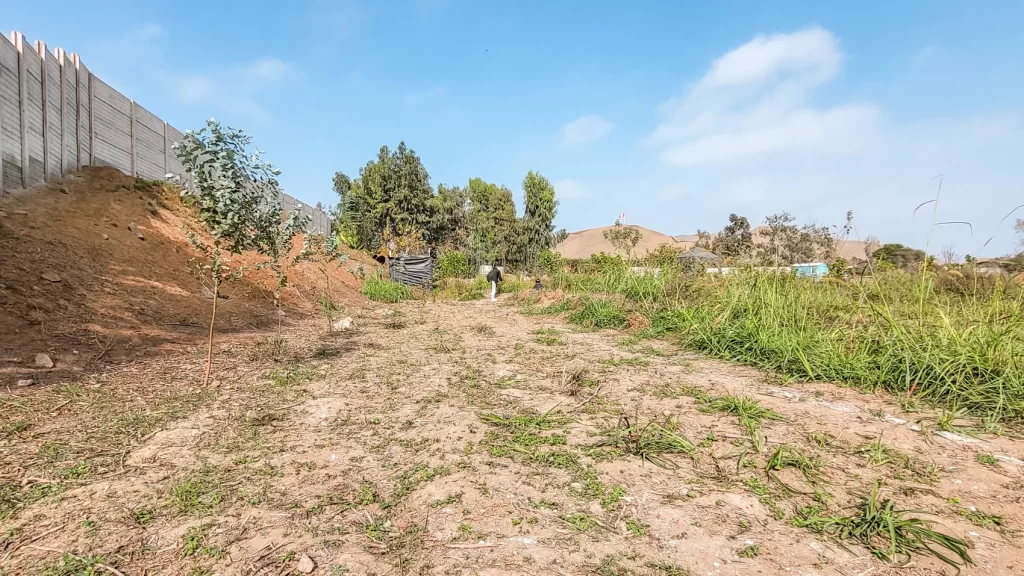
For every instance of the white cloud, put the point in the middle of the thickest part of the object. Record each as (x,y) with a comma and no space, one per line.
(585,130)
(812,54)
(267,70)
(420,99)
(753,103)
(570,189)
(238,88)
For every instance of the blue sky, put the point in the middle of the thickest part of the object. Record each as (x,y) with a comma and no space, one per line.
(676,113)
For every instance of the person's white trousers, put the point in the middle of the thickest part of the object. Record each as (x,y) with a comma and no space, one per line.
(494,290)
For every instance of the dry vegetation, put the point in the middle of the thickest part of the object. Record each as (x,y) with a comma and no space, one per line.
(373,452)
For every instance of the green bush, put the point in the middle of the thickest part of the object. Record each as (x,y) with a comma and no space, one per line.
(550,262)
(451,265)
(379,289)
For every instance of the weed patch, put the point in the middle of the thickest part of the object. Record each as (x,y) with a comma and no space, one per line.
(651,441)
(889,533)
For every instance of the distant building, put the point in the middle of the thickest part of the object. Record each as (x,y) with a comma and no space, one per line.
(695,254)
(816,270)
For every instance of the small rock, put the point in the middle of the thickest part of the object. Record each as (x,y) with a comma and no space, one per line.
(21,212)
(105,237)
(50,275)
(343,324)
(215,383)
(305,565)
(140,236)
(27,382)
(114,224)
(132,226)
(64,190)
(44,361)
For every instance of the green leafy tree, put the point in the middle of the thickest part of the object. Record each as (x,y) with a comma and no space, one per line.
(274,240)
(449,216)
(389,207)
(493,228)
(735,240)
(236,196)
(623,238)
(537,225)
(899,256)
(785,243)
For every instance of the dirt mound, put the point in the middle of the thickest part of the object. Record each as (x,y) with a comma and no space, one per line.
(95,267)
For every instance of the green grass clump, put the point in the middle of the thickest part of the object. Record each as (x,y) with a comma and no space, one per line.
(526,420)
(986,459)
(74,565)
(750,412)
(787,457)
(580,522)
(599,313)
(198,494)
(651,441)
(982,519)
(379,289)
(888,533)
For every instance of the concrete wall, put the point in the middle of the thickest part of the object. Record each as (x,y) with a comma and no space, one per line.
(55,117)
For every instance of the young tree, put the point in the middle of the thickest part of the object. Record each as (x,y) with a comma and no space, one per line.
(948,256)
(274,240)
(233,191)
(623,238)
(323,250)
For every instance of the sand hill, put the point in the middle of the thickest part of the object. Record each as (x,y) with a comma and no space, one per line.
(580,245)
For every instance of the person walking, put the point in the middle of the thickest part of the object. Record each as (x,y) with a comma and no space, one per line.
(494,276)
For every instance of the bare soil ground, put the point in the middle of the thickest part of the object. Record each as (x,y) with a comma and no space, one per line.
(462,438)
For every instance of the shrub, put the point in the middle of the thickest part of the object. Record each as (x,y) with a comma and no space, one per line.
(451,265)
(550,262)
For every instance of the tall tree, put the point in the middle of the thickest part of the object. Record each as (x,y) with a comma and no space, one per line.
(492,222)
(537,224)
(449,210)
(388,208)
(735,240)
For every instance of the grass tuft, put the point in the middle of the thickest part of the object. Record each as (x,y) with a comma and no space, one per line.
(651,441)
(889,533)
(379,289)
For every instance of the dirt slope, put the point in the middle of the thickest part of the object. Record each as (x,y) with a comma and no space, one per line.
(118,292)
(374,452)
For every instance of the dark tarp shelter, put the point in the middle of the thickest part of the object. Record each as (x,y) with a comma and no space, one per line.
(412,270)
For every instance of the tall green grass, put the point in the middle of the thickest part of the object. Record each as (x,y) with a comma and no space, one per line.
(909,334)
(380,289)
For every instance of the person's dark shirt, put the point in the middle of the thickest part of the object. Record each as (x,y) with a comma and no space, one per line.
(494,275)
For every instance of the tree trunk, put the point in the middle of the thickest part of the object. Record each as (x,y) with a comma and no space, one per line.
(209,342)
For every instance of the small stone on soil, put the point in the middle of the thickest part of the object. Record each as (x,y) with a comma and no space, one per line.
(44,361)
(50,275)
(305,565)
(27,382)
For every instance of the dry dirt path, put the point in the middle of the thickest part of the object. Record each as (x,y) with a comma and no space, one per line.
(393,449)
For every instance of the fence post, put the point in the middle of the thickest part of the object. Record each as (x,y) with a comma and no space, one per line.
(41,50)
(92,123)
(131,128)
(167,152)
(19,43)
(1,136)
(63,111)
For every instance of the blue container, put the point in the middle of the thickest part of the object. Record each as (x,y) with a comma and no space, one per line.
(816,270)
